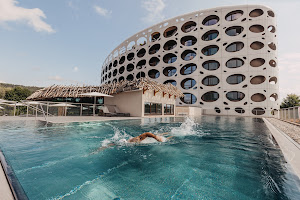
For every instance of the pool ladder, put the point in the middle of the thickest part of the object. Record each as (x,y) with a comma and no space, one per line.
(36,109)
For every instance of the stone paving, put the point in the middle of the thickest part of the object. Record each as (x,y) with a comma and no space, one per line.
(291,130)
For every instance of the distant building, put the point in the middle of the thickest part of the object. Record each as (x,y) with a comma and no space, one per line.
(223,59)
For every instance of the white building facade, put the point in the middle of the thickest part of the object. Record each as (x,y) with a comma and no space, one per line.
(223,59)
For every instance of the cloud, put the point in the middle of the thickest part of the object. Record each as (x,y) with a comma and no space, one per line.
(2,81)
(154,10)
(75,69)
(10,12)
(55,78)
(102,11)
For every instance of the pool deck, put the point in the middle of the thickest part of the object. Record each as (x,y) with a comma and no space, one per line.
(5,192)
(289,147)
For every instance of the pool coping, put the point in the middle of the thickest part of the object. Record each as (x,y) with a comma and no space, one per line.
(289,148)
(10,185)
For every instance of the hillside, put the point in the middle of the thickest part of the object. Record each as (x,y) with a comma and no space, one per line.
(6,86)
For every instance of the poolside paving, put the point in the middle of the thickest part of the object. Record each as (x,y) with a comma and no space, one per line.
(291,130)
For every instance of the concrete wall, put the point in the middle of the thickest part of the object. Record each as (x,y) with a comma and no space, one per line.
(188,111)
(127,102)
(111,70)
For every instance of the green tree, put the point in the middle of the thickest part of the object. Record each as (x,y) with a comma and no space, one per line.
(17,94)
(290,101)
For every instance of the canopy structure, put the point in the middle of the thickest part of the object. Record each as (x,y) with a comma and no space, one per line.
(95,94)
(108,89)
(1,108)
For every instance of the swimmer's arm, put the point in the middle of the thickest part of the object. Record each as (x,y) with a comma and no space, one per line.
(103,148)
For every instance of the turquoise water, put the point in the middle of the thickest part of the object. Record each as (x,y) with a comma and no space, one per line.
(208,158)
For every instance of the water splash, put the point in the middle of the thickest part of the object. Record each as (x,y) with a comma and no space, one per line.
(187,128)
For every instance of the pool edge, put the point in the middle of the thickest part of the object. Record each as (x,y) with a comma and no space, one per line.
(289,148)
(13,188)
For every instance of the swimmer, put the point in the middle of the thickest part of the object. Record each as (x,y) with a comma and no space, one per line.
(139,139)
(143,136)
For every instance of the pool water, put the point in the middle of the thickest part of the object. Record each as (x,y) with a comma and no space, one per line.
(208,158)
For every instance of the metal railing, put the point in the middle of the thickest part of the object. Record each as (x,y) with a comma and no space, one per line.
(291,114)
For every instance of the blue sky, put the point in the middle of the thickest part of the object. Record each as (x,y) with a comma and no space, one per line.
(45,42)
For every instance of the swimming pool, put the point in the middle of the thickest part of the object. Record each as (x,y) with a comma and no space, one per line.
(209,158)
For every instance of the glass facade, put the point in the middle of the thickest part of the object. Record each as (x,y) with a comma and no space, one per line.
(169,109)
(153,108)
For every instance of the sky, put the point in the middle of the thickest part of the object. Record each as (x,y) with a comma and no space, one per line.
(45,42)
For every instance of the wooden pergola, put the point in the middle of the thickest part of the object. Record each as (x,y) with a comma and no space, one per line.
(144,84)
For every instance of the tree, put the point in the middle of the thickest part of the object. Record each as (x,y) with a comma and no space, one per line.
(17,94)
(290,101)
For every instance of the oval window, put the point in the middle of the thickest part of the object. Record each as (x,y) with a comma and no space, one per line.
(154,36)
(210,96)
(272,45)
(239,110)
(258,97)
(210,50)
(257,62)
(130,56)
(235,46)
(130,67)
(121,70)
(234,15)
(234,63)
(115,72)
(130,77)
(169,32)
(153,61)
(188,83)
(154,49)
(272,63)
(171,44)
(140,75)
(235,96)
(271,28)
(121,79)
(271,13)
(188,40)
(188,69)
(234,30)
(188,98)
(210,35)
(141,53)
(153,73)
(210,81)
(257,80)
(211,65)
(188,55)
(122,60)
(188,26)
(235,79)
(210,20)
(256,13)
(173,82)
(256,28)
(141,64)
(170,58)
(169,71)
(258,111)
(257,45)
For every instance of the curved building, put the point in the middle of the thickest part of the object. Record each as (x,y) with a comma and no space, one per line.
(223,59)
